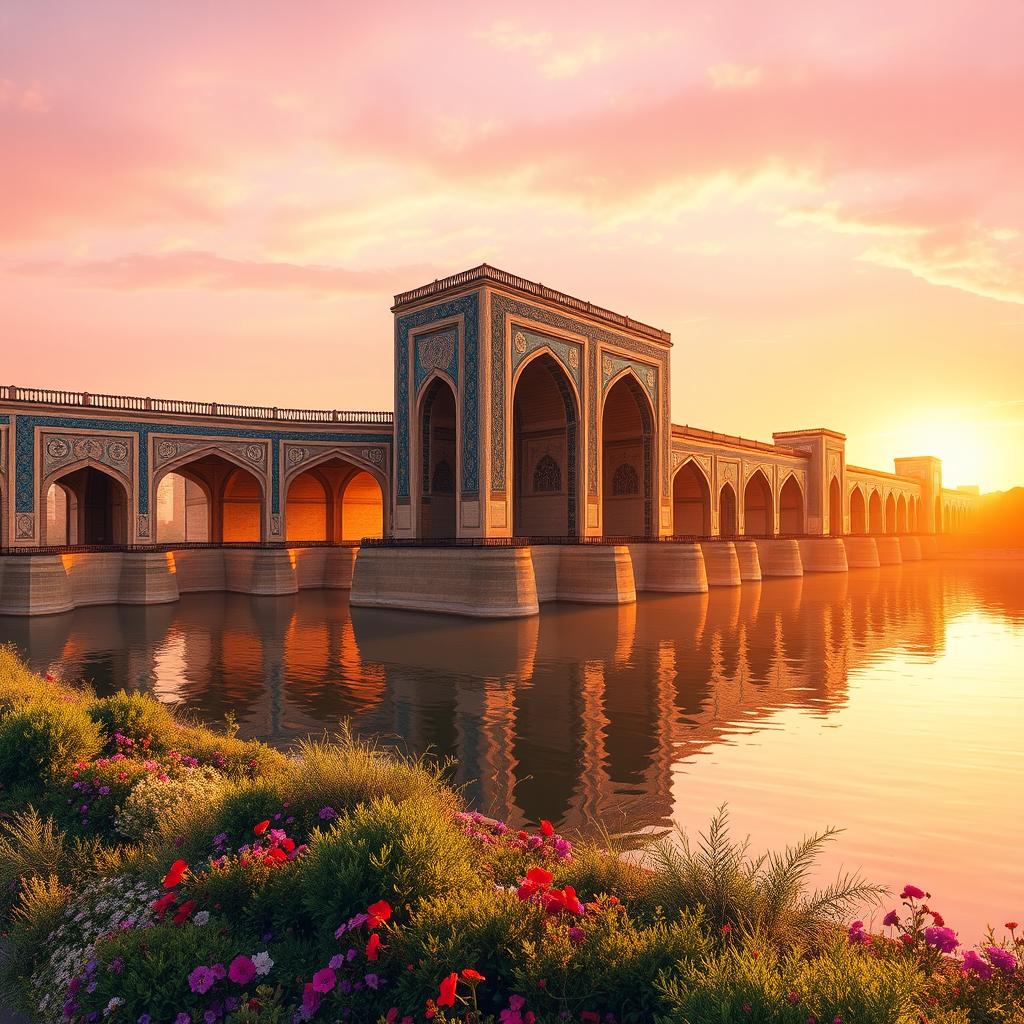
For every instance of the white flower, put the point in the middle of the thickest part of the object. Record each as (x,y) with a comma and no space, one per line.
(262,963)
(203,917)
(114,1003)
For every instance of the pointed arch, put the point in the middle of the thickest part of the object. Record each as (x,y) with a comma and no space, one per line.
(438,421)
(890,513)
(791,506)
(836,526)
(758,506)
(99,502)
(876,518)
(901,514)
(727,523)
(691,500)
(627,449)
(858,511)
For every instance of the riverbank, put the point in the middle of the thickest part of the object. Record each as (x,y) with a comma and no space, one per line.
(167,872)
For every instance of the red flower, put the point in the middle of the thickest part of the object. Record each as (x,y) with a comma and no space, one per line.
(726,929)
(183,912)
(446,996)
(377,913)
(912,892)
(373,947)
(589,1017)
(162,905)
(937,917)
(536,880)
(261,827)
(1011,925)
(174,876)
(473,977)
(547,828)
(288,844)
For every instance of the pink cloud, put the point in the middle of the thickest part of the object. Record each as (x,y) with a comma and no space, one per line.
(208,271)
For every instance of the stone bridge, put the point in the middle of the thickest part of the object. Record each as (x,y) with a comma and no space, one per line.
(524,417)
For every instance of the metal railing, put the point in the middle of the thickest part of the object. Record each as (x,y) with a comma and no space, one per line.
(191,545)
(185,407)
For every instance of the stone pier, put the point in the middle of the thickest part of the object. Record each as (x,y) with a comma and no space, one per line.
(670,568)
(889,550)
(750,564)
(721,565)
(823,554)
(910,549)
(861,552)
(779,557)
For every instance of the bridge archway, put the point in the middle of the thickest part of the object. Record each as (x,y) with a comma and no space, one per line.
(438,464)
(627,423)
(876,520)
(791,507)
(835,508)
(758,510)
(94,500)
(691,501)
(890,514)
(333,499)
(182,508)
(938,515)
(545,431)
(858,512)
(727,525)
(235,500)
(901,514)
(913,514)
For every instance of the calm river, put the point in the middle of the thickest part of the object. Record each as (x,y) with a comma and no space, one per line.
(889,702)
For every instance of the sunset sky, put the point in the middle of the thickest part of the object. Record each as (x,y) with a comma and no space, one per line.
(821,201)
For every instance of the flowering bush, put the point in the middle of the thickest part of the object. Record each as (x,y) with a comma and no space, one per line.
(345,885)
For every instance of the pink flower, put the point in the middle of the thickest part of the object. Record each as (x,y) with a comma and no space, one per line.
(1002,958)
(201,980)
(242,970)
(942,939)
(973,962)
(891,919)
(324,980)
(911,892)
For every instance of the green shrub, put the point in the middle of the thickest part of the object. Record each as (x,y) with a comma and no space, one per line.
(766,894)
(38,741)
(235,757)
(137,717)
(760,985)
(156,799)
(401,852)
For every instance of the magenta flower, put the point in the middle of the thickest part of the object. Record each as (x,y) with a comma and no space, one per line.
(1002,958)
(201,980)
(242,970)
(891,919)
(942,939)
(973,962)
(911,892)
(324,980)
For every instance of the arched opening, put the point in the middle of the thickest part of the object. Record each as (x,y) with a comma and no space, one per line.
(544,451)
(835,508)
(901,514)
(627,507)
(93,506)
(182,510)
(439,451)
(308,508)
(758,511)
(913,510)
(223,502)
(362,507)
(858,512)
(727,525)
(938,515)
(791,507)
(691,502)
(890,514)
(876,523)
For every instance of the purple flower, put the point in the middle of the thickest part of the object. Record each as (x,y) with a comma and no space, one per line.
(942,939)
(891,919)
(336,962)
(183,1018)
(973,962)
(576,935)
(144,1019)
(328,813)
(324,980)
(1002,958)
(104,791)
(201,980)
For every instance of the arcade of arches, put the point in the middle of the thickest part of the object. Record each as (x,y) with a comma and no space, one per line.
(334,501)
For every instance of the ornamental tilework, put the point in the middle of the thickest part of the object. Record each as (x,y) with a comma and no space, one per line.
(568,353)
(611,366)
(437,351)
(468,307)
(24,448)
(503,306)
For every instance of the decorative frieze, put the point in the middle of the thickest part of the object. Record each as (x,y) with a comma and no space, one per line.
(65,448)
(255,453)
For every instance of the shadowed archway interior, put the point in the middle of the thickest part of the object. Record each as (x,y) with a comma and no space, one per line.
(438,454)
(758,510)
(628,461)
(86,506)
(691,502)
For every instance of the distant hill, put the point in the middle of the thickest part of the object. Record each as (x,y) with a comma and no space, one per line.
(1001,518)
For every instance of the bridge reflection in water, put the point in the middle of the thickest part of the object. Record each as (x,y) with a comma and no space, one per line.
(886,700)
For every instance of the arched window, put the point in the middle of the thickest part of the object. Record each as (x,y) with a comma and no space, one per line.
(625,481)
(547,476)
(442,482)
